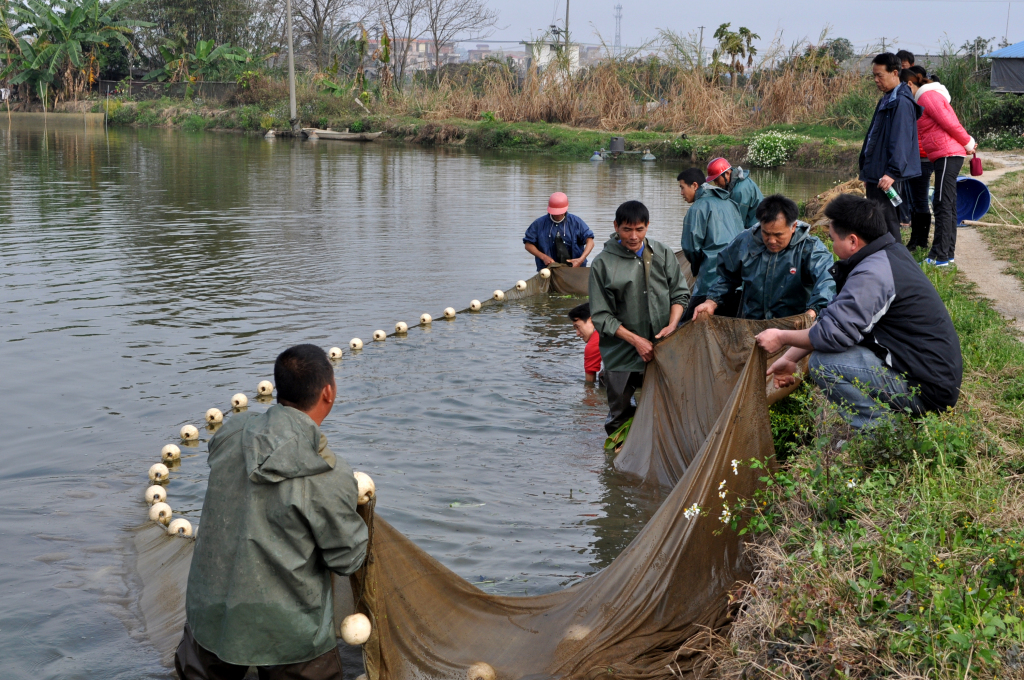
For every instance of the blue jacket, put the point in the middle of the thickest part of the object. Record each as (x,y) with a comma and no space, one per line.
(542,232)
(885,303)
(890,147)
(710,224)
(776,285)
(745,193)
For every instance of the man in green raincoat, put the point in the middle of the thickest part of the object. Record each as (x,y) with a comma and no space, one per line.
(710,224)
(783,269)
(279,517)
(637,295)
(743,191)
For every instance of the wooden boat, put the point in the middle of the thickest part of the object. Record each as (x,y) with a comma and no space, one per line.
(345,136)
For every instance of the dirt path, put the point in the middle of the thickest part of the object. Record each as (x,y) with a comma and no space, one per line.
(976,262)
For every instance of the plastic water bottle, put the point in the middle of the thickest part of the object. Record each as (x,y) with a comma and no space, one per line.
(894,197)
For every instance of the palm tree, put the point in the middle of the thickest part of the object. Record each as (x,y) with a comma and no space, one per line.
(738,45)
(57,43)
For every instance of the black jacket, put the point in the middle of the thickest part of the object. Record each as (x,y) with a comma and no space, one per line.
(890,147)
(885,302)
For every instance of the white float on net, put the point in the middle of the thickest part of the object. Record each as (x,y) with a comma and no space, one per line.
(355,629)
(475,305)
(379,336)
(545,273)
(214,416)
(499,295)
(425,319)
(334,353)
(401,327)
(189,433)
(158,472)
(180,527)
(170,453)
(449,312)
(520,285)
(156,494)
(160,512)
(355,343)
(239,401)
(481,671)
(265,388)
(367,489)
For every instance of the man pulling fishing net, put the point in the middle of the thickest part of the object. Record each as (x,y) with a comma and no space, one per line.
(279,517)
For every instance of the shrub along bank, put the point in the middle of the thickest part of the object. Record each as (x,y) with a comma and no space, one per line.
(812,147)
(900,552)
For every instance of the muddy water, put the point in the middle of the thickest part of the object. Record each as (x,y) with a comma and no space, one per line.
(149,275)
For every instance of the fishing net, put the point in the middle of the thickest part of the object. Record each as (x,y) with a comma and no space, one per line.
(704,406)
(702,417)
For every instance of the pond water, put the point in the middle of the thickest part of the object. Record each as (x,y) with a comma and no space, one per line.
(149,275)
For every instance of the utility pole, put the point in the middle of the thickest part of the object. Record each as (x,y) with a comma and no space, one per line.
(700,48)
(883,43)
(566,27)
(1006,35)
(294,121)
(618,29)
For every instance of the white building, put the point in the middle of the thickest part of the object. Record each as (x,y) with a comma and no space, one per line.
(540,53)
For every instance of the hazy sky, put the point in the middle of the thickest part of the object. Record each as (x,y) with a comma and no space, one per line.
(917,25)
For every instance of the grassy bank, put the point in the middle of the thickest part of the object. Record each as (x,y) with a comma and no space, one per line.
(897,553)
(813,147)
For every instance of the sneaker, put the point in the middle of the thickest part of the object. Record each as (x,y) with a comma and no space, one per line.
(937,263)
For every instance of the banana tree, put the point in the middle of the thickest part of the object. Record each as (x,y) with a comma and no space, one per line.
(205,63)
(57,42)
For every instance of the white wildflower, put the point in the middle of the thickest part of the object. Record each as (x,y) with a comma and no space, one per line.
(726,515)
(692,511)
(851,484)
(735,466)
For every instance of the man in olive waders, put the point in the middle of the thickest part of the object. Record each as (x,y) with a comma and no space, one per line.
(637,295)
(279,517)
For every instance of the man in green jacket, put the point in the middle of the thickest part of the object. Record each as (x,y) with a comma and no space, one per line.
(279,517)
(637,295)
(743,191)
(782,268)
(710,224)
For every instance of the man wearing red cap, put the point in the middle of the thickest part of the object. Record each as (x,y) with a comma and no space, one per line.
(743,191)
(559,236)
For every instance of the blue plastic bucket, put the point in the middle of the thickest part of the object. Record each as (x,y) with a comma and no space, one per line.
(972,199)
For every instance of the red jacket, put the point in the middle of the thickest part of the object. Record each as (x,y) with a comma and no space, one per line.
(938,129)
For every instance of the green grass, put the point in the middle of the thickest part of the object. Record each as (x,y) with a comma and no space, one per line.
(900,551)
(820,132)
(1007,243)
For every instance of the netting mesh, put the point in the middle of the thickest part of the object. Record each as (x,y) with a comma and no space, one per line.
(703,405)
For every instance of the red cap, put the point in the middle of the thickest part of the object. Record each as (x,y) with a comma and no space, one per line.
(716,167)
(558,204)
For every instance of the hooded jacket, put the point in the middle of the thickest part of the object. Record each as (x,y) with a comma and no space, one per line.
(776,285)
(279,517)
(745,193)
(885,303)
(938,128)
(710,224)
(635,292)
(890,147)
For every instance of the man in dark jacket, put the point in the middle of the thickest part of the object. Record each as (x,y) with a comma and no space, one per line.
(890,153)
(637,295)
(279,517)
(886,340)
(783,269)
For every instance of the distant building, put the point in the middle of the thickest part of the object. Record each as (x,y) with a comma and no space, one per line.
(483,52)
(591,55)
(1007,68)
(420,56)
(540,53)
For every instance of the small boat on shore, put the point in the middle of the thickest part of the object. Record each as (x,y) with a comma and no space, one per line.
(344,136)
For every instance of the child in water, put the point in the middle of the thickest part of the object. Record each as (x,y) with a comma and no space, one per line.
(580,317)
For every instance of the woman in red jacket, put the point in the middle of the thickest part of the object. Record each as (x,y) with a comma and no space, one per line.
(946,143)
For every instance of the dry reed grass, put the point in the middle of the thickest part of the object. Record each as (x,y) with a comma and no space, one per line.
(651,93)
